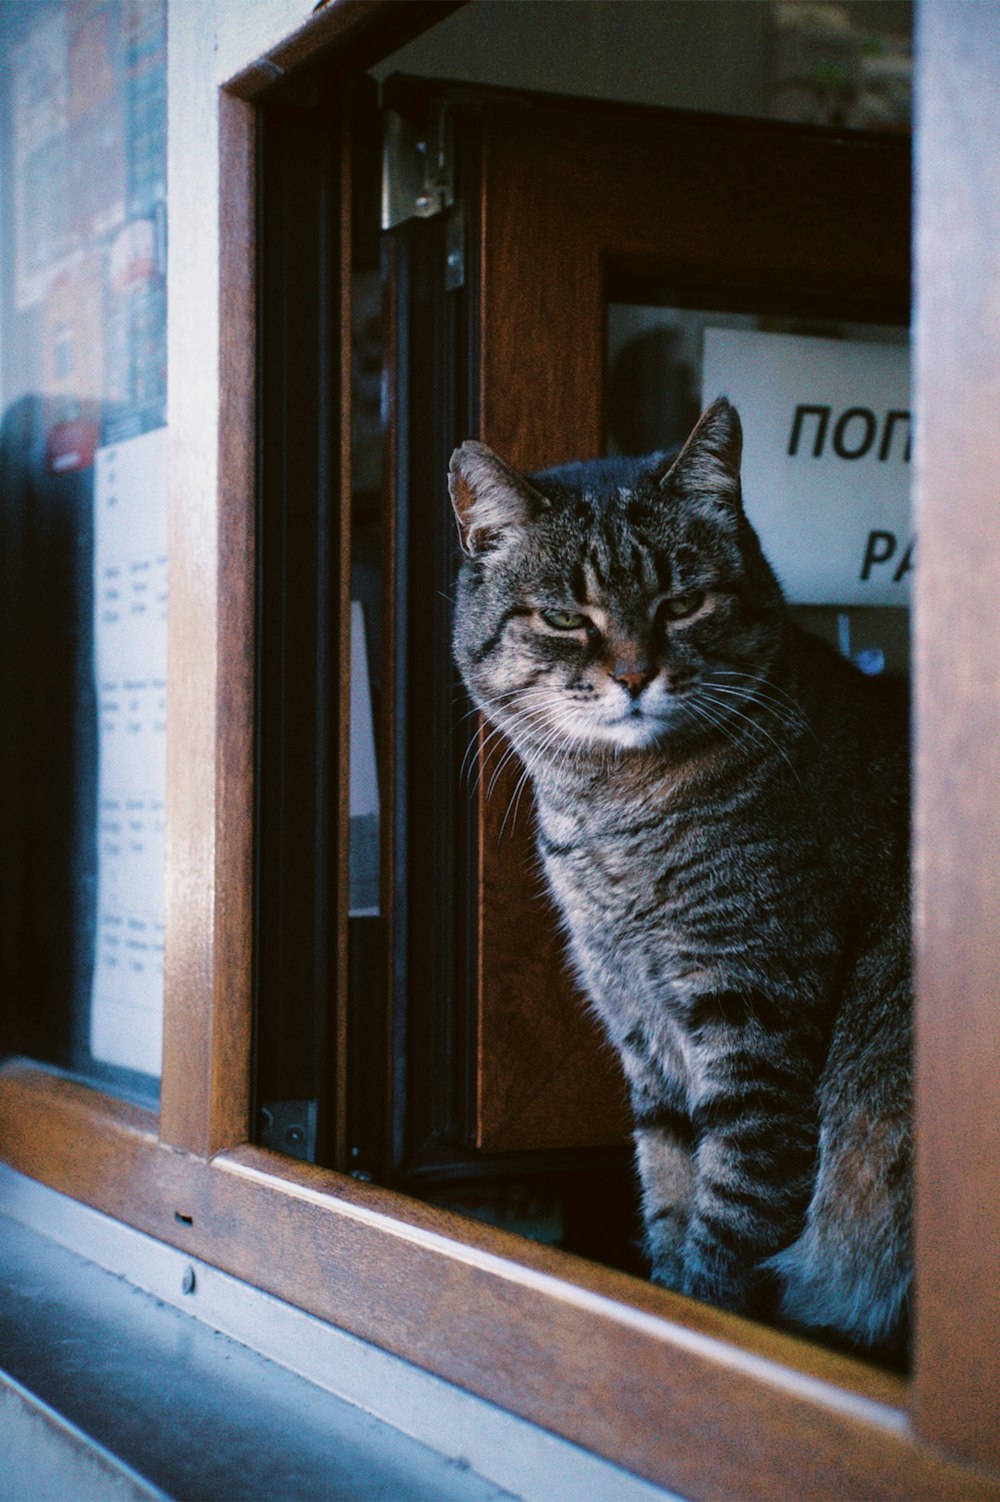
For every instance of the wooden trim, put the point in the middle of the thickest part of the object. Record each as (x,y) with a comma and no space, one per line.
(205,1092)
(358,31)
(232,1020)
(685,1395)
(957,809)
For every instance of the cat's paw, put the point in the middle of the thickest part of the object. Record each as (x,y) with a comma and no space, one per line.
(726,1290)
(668,1272)
(665,1234)
(752,1291)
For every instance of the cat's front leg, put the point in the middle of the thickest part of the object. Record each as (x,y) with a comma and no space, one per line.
(663,1134)
(663,1140)
(755,1126)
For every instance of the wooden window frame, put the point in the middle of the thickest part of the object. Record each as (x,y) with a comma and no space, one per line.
(695,1399)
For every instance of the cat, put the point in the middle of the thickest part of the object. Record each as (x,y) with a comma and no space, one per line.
(722,818)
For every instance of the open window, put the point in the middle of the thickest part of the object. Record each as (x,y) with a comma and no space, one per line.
(533,250)
(387,1011)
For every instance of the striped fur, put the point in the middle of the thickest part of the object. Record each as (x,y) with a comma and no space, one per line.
(722,817)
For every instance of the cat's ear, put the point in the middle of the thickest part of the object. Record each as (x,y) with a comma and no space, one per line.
(708,466)
(490,498)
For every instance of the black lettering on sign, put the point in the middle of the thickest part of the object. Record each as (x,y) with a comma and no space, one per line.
(869,428)
(854,432)
(879,549)
(906,562)
(891,419)
(822,415)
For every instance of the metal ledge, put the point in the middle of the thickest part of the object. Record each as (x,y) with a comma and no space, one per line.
(44,1457)
(150,1375)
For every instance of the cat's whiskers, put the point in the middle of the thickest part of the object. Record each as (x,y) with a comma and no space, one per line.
(515,800)
(486,745)
(532,759)
(512,751)
(780,713)
(504,747)
(532,718)
(501,703)
(573,742)
(480,753)
(700,711)
(758,684)
(493,705)
(476,710)
(755,727)
(559,734)
(479,743)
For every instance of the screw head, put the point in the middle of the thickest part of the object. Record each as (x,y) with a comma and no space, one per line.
(188,1280)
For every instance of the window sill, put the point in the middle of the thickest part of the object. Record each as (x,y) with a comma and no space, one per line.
(688,1397)
(129,1371)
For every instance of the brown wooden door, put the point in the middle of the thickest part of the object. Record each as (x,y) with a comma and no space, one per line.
(578,200)
(569,204)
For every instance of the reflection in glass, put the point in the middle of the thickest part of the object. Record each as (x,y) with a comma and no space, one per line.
(844,63)
(656,357)
(83,532)
(365,1022)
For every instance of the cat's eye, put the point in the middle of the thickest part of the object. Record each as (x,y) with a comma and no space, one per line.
(565,620)
(679,607)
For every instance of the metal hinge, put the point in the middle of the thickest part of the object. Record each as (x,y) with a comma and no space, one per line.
(418,167)
(289,1127)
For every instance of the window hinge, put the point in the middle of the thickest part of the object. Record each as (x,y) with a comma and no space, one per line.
(418,167)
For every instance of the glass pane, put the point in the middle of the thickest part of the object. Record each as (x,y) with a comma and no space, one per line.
(366,1019)
(825,407)
(83,518)
(847,63)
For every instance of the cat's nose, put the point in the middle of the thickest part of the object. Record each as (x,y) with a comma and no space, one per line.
(633,676)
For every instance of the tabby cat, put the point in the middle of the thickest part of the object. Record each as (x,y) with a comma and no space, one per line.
(722,817)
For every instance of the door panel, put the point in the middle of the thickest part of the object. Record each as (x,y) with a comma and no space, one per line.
(579,199)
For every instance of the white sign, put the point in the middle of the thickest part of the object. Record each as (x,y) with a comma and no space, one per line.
(130,630)
(826,459)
